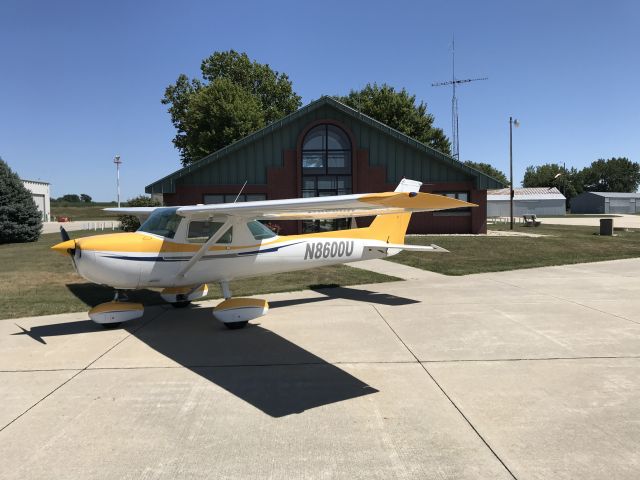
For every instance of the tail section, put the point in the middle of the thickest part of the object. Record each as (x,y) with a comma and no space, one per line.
(392,228)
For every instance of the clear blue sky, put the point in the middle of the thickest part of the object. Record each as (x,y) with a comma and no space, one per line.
(82,81)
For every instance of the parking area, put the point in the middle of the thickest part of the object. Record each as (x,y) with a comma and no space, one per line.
(529,374)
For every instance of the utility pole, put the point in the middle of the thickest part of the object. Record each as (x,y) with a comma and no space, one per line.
(117,161)
(516,123)
(455,138)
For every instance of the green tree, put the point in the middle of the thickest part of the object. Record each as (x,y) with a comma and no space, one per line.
(568,181)
(235,97)
(612,175)
(20,219)
(69,197)
(488,170)
(399,110)
(85,198)
(129,223)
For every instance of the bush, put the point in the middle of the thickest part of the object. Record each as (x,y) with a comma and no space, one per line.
(129,223)
(20,219)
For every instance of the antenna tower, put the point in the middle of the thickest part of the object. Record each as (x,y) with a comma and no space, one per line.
(455,137)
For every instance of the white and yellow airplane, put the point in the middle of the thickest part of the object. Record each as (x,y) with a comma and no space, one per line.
(181,249)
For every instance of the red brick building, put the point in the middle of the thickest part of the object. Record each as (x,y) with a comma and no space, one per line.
(327,148)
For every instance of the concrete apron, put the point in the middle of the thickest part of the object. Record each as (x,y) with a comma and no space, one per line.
(525,374)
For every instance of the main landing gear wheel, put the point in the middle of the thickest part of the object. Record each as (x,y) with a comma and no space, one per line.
(181,304)
(235,313)
(236,325)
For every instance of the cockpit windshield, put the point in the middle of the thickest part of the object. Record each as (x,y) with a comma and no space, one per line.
(163,222)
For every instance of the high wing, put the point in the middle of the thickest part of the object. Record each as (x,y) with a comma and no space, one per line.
(141,212)
(339,206)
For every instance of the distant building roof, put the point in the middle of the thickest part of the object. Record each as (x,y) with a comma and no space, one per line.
(616,194)
(537,193)
(35,181)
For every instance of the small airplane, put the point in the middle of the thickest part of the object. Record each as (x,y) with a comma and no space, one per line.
(181,249)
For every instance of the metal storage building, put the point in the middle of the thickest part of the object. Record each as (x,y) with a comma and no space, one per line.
(606,202)
(526,201)
(328,148)
(41,196)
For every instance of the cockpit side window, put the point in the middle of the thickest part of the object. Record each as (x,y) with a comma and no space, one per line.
(163,222)
(201,231)
(259,231)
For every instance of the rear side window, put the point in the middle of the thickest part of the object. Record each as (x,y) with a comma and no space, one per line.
(200,232)
(259,231)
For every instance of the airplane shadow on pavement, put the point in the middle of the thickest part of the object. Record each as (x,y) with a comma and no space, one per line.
(255,364)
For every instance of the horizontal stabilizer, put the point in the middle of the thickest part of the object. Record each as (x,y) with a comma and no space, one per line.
(411,248)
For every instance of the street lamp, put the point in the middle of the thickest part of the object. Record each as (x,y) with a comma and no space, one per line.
(513,122)
(117,161)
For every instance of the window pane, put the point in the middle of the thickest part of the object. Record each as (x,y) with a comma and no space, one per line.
(337,139)
(259,231)
(339,162)
(308,183)
(313,160)
(211,199)
(163,222)
(200,232)
(344,182)
(232,198)
(464,196)
(255,197)
(227,237)
(327,183)
(315,139)
(308,193)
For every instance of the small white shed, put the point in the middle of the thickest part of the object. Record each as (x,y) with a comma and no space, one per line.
(526,201)
(42,197)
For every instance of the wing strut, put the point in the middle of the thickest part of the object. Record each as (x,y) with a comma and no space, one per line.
(200,253)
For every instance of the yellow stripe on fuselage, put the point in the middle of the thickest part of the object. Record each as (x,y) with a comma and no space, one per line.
(138,242)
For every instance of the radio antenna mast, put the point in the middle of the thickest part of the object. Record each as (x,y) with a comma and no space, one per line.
(455,137)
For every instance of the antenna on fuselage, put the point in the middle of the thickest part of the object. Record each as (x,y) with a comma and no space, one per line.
(240,192)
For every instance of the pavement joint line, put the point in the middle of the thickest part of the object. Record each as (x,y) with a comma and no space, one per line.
(486,443)
(570,301)
(130,334)
(303,364)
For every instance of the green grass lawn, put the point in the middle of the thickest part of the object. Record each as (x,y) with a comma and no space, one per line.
(82,212)
(563,245)
(35,280)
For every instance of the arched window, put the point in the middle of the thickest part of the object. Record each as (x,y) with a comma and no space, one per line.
(326,162)
(326,169)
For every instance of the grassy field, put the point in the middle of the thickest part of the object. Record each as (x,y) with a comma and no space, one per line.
(561,245)
(82,212)
(35,280)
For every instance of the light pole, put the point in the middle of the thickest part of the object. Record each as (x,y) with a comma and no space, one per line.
(512,123)
(117,161)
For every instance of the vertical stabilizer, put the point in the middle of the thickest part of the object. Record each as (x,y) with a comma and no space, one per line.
(391,228)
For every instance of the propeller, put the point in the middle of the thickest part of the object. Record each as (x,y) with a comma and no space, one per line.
(68,246)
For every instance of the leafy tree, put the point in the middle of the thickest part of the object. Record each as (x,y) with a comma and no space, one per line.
(399,110)
(85,198)
(612,175)
(129,223)
(69,197)
(568,181)
(20,219)
(488,170)
(235,97)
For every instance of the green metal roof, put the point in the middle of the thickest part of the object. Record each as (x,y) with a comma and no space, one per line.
(167,184)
